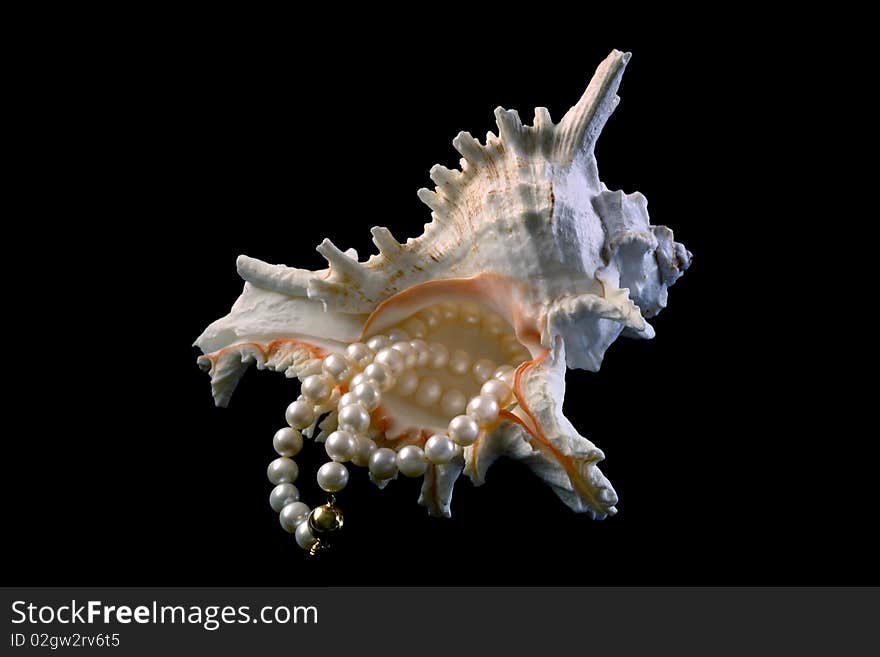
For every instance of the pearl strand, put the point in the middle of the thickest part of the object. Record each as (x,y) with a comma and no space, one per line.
(369,370)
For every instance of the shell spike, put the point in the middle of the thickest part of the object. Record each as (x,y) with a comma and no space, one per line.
(445,178)
(581,125)
(438,205)
(386,243)
(470,148)
(543,129)
(340,261)
(542,119)
(510,127)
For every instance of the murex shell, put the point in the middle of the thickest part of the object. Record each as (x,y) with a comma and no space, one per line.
(528,261)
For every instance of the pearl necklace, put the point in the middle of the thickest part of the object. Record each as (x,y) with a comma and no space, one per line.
(368,370)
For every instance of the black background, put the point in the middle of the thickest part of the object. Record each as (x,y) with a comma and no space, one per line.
(171,151)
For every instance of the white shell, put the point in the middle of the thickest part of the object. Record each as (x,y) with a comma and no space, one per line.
(525,235)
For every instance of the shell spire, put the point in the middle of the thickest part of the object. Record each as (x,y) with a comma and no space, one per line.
(581,125)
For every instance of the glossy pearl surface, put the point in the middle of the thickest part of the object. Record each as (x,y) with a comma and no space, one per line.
(429,391)
(378,342)
(407,383)
(381,374)
(304,537)
(354,418)
(463,430)
(405,349)
(282,495)
(459,362)
(287,441)
(393,359)
(383,463)
(416,327)
(367,394)
(359,354)
(482,370)
(411,461)
(423,352)
(340,446)
(316,388)
(282,471)
(497,389)
(300,414)
(336,368)
(292,515)
(365,447)
(439,449)
(398,335)
(439,356)
(332,477)
(483,409)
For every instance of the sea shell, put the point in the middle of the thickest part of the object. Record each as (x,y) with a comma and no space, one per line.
(529,262)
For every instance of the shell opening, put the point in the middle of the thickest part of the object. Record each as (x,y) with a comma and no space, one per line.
(458,348)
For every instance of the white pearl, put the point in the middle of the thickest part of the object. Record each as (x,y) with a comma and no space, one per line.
(282,495)
(300,414)
(348,398)
(381,375)
(448,311)
(383,463)
(392,359)
(483,409)
(498,389)
(282,471)
(459,362)
(410,356)
(378,342)
(340,446)
(336,368)
(431,317)
(416,327)
(428,392)
(439,355)
(304,537)
(357,379)
(367,394)
(287,441)
(439,449)
(453,402)
(470,315)
(482,370)
(493,326)
(359,354)
(411,461)
(463,430)
(316,388)
(354,419)
(423,353)
(293,514)
(365,447)
(397,335)
(505,373)
(407,383)
(332,477)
